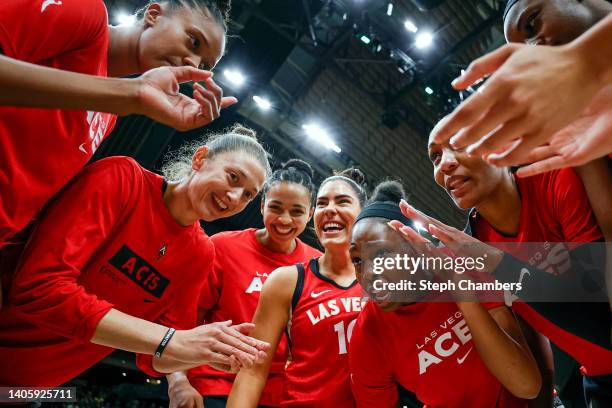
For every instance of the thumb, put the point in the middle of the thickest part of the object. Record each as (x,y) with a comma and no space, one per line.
(227,101)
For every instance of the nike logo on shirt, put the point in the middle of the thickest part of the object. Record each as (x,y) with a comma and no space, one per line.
(462,359)
(48,3)
(316,295)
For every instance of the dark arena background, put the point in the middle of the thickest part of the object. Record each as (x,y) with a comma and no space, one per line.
(337,83)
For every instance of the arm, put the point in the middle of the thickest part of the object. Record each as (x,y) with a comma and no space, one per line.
(597,179)
(154,94)
(540,348)
(270,320)
(503,349)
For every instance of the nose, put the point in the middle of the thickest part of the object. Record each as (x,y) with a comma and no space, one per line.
(192,60)
(285,218)
(234,195)
(448,162)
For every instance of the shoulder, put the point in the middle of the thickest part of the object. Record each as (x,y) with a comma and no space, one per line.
(281,282)
(225,238)
(113,172)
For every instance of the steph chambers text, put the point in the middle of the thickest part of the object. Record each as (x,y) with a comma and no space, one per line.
(445,286)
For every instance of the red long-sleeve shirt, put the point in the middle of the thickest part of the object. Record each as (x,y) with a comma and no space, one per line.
(42,149)
(106,241)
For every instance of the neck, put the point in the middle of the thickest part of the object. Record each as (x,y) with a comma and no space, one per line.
(284,247)
(123,50)
(337,262)
(178,203)
(502,208)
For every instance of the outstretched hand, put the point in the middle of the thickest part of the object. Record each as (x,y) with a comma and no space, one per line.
(585,139)
(159,97)
(518,108)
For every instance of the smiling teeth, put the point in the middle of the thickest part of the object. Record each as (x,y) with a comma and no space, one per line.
(283,230)
(220,203)
(332,225)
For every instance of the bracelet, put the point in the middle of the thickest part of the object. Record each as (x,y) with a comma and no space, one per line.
(164,342)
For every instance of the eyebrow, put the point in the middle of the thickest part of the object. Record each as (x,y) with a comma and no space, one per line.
(338,197)
(280,203)
(432,144)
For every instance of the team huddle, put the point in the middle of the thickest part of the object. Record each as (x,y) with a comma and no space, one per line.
(113,256)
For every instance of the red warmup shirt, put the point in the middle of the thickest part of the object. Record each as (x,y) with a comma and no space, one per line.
(319,330)
(42,149)
(428,349)
(231,292)
(554,209)
(107,241)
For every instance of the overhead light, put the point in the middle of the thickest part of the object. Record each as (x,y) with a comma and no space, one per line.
(365,39)
(321,136)
(124,18)
(429,91)
(390,9)
(235,77)
(263,103)
(424,40)
(418,226)
(410,26)
(345,16)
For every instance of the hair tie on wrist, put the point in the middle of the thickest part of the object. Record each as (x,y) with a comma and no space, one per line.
(164,342)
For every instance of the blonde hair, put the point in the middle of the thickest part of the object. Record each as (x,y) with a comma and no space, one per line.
(237,138)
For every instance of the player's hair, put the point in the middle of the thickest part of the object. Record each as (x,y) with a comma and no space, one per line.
(236,138)
(354,178)
(219,9)
(388,191)
(293,171)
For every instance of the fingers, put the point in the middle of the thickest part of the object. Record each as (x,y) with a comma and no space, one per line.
(244,328)
(227,101)
(206,109)
(256,348)
(552,163)
(516,154)
(481,144)
(211,97)
(199,402)
(484,66)
(186,74)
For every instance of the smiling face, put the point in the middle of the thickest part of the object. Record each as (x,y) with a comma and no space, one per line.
(336,208)
(179,37)
(224,185)
(547,22)
(467,179)
(286,210)
(371,238)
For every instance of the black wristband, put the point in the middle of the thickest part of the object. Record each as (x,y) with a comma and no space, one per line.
(164,342)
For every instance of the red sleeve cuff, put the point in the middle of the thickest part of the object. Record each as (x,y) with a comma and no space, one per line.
(86,331)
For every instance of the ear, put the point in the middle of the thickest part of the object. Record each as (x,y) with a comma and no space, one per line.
(154,10)
(199,158)
(263,203)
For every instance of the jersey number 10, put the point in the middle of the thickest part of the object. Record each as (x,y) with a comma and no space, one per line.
(344,337)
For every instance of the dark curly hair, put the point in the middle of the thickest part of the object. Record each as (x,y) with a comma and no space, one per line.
(219,9)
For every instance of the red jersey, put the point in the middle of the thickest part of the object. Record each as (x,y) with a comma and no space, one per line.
(320,327)
(554,209)
(107,241)
(42,149)
(427,348)
(231,292)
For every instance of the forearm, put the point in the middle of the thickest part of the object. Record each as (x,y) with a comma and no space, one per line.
(595,47)
(542,353)
(25,84)
(248,386)
(122,331)
(507,360)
